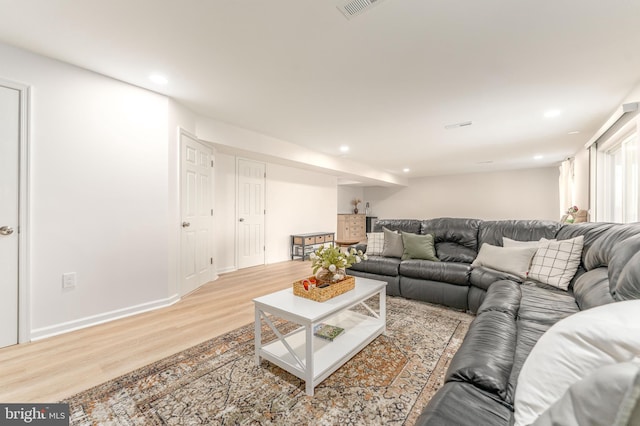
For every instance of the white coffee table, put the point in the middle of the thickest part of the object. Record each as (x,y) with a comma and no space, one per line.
(309,357)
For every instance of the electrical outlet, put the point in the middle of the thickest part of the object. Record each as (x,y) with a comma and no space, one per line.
(69,280)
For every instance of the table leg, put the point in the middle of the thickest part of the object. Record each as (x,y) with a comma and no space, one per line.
(309,360)
(258,335)
(383,307)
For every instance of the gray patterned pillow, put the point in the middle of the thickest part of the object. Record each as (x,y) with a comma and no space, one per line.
(375,243)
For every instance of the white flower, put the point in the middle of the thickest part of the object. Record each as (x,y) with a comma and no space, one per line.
(312,256)
(358,259)
(332,268)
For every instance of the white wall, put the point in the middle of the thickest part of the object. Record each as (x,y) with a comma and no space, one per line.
(297,201)
(99,197)
(521,194)
(346,195)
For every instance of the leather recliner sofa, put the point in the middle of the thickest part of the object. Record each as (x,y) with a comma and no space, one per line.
(511,315)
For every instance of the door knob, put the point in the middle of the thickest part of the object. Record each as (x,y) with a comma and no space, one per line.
(186,224)
(6,230)
(241,219)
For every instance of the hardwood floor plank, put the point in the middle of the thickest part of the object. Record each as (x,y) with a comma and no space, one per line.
(58,367)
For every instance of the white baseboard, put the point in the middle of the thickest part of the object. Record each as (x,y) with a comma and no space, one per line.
(227,270)
(65,327)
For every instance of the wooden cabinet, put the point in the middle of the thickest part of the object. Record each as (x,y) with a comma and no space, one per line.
(351,227)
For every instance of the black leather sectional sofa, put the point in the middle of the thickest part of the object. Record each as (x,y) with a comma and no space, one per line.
(511,315)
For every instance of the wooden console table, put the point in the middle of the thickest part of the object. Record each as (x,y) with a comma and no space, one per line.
(302,245)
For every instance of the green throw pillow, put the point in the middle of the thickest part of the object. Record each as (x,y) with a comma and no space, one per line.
(419,247)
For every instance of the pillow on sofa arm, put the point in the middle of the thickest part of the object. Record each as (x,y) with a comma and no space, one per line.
(513,260)
(608,396)
(573,349)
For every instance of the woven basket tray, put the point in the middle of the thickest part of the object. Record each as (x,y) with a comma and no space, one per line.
(323,294)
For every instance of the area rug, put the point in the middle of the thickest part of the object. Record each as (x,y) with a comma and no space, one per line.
(218,383)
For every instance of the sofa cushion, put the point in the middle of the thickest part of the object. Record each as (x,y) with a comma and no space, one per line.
(591,289)
(458,403)
(378,265)
(545,305)
(392,246)
(556,262)
(448,272)
(512,260)
(571,350)
(486,354)
(418,247)
(492,232)
(456,239)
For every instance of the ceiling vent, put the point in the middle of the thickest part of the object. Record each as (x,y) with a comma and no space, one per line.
(351,8)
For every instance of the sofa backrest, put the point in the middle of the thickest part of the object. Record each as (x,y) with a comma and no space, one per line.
(406,225)
(610,247)
(456,239)
(492,232)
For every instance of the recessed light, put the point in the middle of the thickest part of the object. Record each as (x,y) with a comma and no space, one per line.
(158,79)
(344,148)
(538,157)
(406,170)
(552,113)
(574,132)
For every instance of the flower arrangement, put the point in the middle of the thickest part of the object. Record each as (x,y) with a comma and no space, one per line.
(572,210)
(334,260)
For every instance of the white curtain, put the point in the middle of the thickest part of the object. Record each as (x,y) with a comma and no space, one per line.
(567,189)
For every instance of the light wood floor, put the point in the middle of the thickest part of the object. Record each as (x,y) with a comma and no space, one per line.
(57,367)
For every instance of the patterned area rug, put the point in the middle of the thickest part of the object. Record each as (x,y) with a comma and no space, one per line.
(217,382)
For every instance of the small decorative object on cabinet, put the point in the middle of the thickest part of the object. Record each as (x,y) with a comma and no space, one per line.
(351,227)
(355,205)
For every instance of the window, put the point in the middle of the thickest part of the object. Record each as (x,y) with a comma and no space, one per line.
(618,183)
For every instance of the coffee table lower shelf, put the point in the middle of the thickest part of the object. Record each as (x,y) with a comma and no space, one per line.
(313,358)
(328,356)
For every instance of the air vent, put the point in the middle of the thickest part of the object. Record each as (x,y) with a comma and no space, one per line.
(456,125)
(351,8)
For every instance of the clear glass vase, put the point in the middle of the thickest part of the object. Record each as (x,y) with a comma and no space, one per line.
(324,275)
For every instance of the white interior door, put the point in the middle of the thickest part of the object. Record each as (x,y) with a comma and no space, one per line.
(196,198)
(251,212)
(9,213)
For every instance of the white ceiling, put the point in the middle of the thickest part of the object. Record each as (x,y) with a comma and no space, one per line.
(385,83)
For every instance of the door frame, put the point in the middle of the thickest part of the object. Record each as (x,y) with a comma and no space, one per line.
(24,322)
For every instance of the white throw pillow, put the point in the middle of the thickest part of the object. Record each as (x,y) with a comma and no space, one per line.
(556,261)
(375,243)
(572,349)
(513,260)
(508,242)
